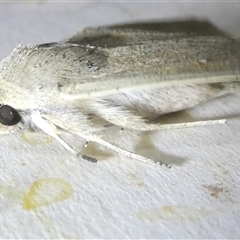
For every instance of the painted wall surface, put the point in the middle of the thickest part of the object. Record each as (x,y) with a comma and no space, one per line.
(45,192)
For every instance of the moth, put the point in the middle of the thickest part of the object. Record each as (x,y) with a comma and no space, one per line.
(118,76)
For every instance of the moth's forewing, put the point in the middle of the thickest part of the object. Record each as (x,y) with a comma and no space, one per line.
(157,63)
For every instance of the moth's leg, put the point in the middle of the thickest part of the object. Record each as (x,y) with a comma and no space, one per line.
(121,151)
(51,130)
(187,124)
(78,120)
(125,118)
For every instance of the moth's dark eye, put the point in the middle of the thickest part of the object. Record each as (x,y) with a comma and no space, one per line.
(9,116)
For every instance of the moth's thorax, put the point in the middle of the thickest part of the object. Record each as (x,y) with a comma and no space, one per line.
(23,85)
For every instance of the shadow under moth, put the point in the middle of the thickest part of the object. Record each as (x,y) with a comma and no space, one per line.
(115,75)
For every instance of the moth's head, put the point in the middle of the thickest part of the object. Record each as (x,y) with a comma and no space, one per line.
(9,116)
(9,119)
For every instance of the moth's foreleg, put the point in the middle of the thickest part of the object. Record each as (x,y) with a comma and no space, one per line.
(51,130)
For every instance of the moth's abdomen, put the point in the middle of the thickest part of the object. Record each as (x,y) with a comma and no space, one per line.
(171,99)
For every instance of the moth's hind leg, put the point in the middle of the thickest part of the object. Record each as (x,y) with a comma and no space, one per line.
(127,119)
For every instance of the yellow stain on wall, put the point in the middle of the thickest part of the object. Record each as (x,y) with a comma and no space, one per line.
(36,138)
(177,213)
(45,192)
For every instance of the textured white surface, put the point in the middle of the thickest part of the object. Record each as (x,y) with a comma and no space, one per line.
(48,193)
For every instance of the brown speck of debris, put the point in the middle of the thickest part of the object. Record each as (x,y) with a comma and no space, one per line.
(216,190)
